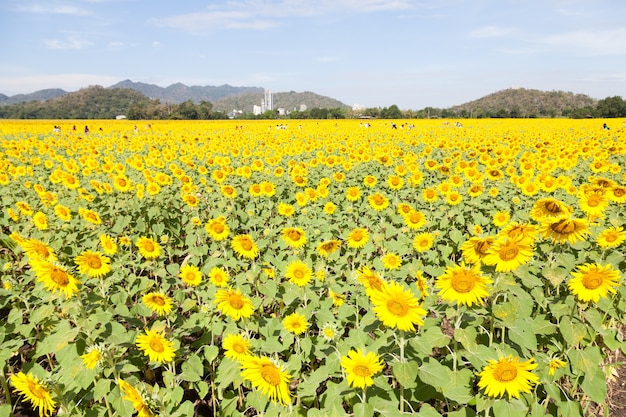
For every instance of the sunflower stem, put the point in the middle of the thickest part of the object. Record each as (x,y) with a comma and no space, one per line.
(401,342)
(5,388)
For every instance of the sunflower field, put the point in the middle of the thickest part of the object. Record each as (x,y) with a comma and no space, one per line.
(313,268)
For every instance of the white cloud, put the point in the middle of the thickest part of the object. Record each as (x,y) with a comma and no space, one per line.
(265,14)
(588,42)
(70,42)
(491,32)
(52,9)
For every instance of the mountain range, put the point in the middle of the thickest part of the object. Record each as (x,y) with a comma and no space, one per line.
(224,97)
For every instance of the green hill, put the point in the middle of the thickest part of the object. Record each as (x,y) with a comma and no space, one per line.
(521,102)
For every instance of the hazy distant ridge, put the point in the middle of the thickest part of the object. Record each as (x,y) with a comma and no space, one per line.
(178,92)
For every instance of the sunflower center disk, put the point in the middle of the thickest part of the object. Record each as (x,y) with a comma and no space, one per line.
(235,302)
(156,345)
(508,252)
(36,390)
(505,372)
(592,280)
(463,283)
(362,370)
(218,228)
(60,278)
(246,245)
(158,301)
(270,375)
(148,246)
(397,308)
(94,263)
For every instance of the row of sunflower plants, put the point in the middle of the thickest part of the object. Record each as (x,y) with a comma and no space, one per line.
(220,269)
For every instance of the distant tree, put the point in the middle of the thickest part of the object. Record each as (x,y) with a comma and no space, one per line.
(391,112)
(611,107)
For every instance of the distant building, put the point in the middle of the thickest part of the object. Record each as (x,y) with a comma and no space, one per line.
(281,111)
(257,110)
(302,107)
(269,103)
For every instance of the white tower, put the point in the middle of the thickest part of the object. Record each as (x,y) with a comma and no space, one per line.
(269,105)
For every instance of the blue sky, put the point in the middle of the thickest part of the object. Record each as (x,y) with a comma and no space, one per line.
(375,53)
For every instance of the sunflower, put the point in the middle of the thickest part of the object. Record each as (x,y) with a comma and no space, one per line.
(158,302)
(592,281)
(370,181)
(357,238)
(422,284)
(501,218)
(236,346)
(454,198)
(338,299)
(360,367)
(507,374)
(565,230)
(268,377)
(148,247)
(285,210)
(93,264)
(611,237)
(229,191)
(475,190)
(403,209)
(294,237)
(122,183)
(617,194)
(423,241)
(90,216)
(463,285)
(391,261)
(234,304)
(295,323)
(415,219)
(353,193)
(398,307)
(34,391)
(131,394)
(476,248)
(329,331)
(24,208)
(217,228)
(40,220)
(507,253)
(327,247)
(430,195)
(35,248)
(93,357)
(298,273)
(555,364)
(190,274)
(395,182)
(244,246)
(516,229)
(593,204)
(549,208)
(268,188)
(108,244)
(255,190)
(370,280)
(330,207)
(218,277)
(54,278)
(378,201)
(156,346)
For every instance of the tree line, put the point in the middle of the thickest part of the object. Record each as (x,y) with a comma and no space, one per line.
(96,102)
